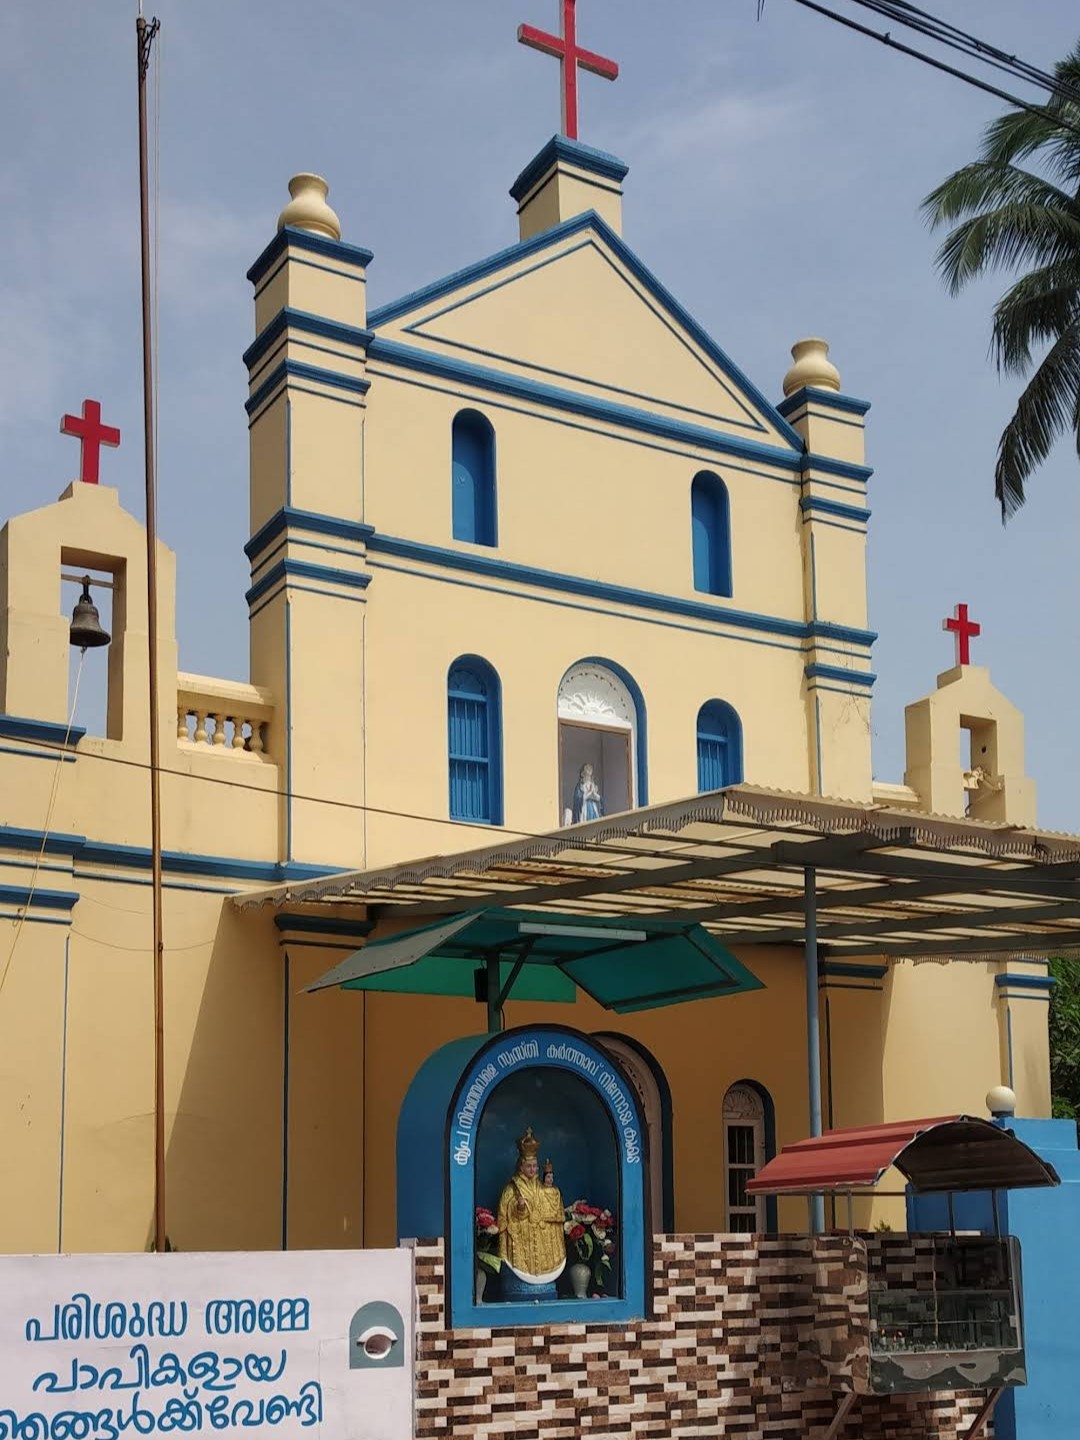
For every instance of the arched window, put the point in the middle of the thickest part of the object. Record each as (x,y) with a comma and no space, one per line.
(747,1144)
(601,742)
(711,531)
(719,746)
(473,478)
(474,741)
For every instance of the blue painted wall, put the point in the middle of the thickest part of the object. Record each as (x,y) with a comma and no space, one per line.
(1047,1224)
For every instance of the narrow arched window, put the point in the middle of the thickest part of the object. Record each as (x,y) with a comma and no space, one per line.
(474,741)
(746,1149)
(719,746)
(711,533)
(473,479)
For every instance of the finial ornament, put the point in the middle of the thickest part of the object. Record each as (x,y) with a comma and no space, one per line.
(308,210)
(812,367)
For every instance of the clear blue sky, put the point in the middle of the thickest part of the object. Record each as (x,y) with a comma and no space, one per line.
(776,170)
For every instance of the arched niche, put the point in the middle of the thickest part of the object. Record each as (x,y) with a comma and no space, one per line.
(601,718)
(646,1074)
(583,1109)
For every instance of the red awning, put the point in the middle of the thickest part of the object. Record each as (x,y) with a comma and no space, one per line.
(950,1152)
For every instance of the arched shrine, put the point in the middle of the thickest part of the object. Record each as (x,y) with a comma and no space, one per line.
(527,1152)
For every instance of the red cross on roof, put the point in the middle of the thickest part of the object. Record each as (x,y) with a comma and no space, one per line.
(92,434)
(965,631)
(571,58)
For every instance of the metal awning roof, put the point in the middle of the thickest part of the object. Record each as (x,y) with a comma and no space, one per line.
(889,882)
(539,956)
(951,1152)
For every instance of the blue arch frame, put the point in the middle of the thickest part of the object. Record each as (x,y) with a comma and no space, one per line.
(641,775)
(474,740)
(772,1226)
(719,746)
(473,497)
(540,1047)
(710,532)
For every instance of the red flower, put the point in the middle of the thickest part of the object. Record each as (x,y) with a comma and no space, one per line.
(484,1218)
(576,1232)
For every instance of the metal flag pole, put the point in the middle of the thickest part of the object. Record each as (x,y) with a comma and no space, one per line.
(145,33)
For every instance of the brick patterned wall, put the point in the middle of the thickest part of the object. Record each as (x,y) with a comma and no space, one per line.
(753,1337)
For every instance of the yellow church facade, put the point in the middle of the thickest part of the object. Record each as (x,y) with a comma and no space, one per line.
(527,550)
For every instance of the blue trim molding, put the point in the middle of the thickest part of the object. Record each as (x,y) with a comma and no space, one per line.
(570,152)
(1040,983)
(590,220)
(716,614)
(290,236)
(826,399)
(304,570)
(37,899)
(839,672)
(817,505)
(174,862)
(288,518)
(844,469)
(837,969)
(297,923)
(298,370)
(483,377)
(309,324)
(47,732)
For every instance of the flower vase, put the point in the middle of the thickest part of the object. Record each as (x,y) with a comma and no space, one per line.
(481,1283)
(580,1275)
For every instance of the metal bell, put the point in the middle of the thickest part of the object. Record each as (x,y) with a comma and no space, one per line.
(87,631)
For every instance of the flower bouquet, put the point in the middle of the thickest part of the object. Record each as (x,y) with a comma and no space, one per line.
(487,1241)
(590,1239)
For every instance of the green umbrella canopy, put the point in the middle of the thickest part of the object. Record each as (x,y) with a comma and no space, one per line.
(624,964)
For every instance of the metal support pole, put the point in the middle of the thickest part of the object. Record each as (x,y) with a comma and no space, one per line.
(494,1008)
(144,36)
(813,1033)
(979,1423)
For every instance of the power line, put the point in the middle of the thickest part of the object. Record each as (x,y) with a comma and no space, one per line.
(1019,69)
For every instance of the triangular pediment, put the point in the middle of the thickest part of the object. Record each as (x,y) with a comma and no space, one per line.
(574,308)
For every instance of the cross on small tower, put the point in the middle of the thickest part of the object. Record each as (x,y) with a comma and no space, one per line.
(566,50)
(965,631)
(92,434)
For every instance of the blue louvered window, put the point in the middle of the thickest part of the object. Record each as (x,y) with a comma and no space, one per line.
(710,525)
(719,746)
(473,479)
(473,742)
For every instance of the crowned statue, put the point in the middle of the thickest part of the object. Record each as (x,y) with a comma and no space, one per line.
(530,1220)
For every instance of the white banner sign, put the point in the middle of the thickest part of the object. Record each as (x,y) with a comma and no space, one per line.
(105,1347)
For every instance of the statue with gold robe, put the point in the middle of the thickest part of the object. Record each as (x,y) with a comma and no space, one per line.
(530,1219)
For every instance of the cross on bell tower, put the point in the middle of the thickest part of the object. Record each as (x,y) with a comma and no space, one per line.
(91,434)
(571,58)
(965,631)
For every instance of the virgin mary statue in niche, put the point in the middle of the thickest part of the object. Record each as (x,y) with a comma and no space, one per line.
(588,802)
(530,1220)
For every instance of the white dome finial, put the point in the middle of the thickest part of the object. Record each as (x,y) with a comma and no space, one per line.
(308,210)
(1001,1101)
(812,367)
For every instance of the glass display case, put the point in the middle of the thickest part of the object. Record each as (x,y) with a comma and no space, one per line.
(951,1315)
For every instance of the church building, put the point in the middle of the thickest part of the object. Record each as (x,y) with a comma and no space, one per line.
(545,593)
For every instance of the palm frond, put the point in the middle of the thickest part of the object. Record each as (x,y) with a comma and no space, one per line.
(1005,238)
(974,187)
(1044,411)
(1036,310)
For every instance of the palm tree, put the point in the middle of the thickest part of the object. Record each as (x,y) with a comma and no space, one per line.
(1025,220)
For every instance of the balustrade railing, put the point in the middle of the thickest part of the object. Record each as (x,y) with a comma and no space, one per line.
(222,715)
